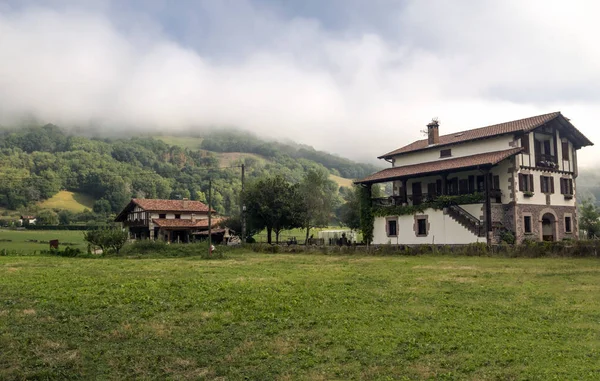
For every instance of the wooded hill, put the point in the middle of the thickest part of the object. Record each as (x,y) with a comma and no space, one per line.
(38,162)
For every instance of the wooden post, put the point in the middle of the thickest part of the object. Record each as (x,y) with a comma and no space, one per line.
(488,207)
(445,184)
(243,206)
(209,218)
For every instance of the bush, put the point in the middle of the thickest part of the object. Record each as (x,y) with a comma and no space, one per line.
(160,248)
(107,239)
(67,252)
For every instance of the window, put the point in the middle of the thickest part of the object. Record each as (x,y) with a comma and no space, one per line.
(525,182)
(463,186)
(471,184)
(421,227)
(480,183)
(568,225)
(496,182)
(162,216)
(527,224)
(565,151)
(431,189)
(178,216)
(525,143)
(392,228)
(547,184)
(446,153)
(566,186)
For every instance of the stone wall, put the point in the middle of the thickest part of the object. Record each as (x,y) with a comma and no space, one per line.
(537,212)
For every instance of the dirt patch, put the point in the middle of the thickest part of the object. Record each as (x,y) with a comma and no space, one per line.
(30,311)
(160,329)
(283,345)
(12,269)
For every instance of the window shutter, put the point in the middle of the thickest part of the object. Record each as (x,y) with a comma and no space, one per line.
(562,186)
(570,186)
(521,182)
(531,183)
(496,182)
(525,143)
(565,151)
(551,180)
(543,185)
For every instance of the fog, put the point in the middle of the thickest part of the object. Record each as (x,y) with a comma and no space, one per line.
(358,91)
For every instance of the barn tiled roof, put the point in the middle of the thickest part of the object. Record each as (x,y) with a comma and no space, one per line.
(170,205)
(178,223)
(422,169)
(524,125)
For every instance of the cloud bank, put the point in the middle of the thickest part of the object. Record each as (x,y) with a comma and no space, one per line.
(359,92)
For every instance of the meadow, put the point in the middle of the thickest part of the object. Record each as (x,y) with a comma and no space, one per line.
(301,316)
(31,241)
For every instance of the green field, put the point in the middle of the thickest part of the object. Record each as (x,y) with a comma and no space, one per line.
(23,240)
(306,317)
(65,200)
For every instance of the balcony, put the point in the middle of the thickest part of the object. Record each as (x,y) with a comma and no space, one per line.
(546,161)
(457,197)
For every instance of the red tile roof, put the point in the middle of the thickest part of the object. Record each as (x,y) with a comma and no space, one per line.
(178,223)
(523,125)
(482,159)
(170,205)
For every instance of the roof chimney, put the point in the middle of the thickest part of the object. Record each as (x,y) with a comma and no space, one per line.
(433,131)
(186,203)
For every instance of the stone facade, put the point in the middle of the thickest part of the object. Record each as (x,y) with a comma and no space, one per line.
(536,212)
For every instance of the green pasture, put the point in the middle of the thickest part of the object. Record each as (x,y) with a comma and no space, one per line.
(23,241)
(299,317)
(65,200)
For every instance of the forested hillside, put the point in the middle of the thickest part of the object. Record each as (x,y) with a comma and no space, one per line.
(38,162)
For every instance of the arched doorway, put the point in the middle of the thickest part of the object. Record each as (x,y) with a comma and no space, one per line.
(548,227)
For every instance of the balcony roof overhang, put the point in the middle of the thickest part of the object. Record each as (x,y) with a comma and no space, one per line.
(482,160)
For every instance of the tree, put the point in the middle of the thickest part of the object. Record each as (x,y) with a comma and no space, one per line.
(113,239)
(272,203)
(588,219)
(47,217)
(65,217)
(317,194)
(349,213)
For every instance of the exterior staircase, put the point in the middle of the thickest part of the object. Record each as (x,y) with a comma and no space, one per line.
(466,219)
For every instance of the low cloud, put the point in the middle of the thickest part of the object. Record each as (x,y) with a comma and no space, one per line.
(356,93)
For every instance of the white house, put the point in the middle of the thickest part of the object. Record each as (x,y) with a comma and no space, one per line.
(27,220)
(475,185)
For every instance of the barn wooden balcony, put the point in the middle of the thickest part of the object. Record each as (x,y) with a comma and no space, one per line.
(460,197)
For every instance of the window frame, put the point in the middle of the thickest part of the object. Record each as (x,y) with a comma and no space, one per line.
(424,220)
(527,218)
(526,182)
(162,215)
(445,153)
(547,184)
(569,225)
(387,226)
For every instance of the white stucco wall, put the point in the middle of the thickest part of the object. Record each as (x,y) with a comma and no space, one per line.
(184,216)
(442,230)
(458,150)
(538,197)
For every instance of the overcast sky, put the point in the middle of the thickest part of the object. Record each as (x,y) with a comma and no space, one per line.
(358,78)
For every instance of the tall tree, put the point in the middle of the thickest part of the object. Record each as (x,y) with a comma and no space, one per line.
(318,195)
(271,202)
(349,212)
(588,219)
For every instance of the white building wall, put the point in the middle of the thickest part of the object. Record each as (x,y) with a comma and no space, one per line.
(499,143)
(184,216)
(442,230)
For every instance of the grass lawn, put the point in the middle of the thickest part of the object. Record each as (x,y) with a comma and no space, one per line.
(65,200)
(22,240)
(311,317)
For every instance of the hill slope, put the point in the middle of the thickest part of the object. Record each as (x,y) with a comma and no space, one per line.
(65,200)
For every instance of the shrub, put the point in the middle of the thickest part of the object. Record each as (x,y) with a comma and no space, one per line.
(113,239)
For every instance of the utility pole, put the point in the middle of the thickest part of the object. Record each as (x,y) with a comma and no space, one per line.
(209,218)
(243,207)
